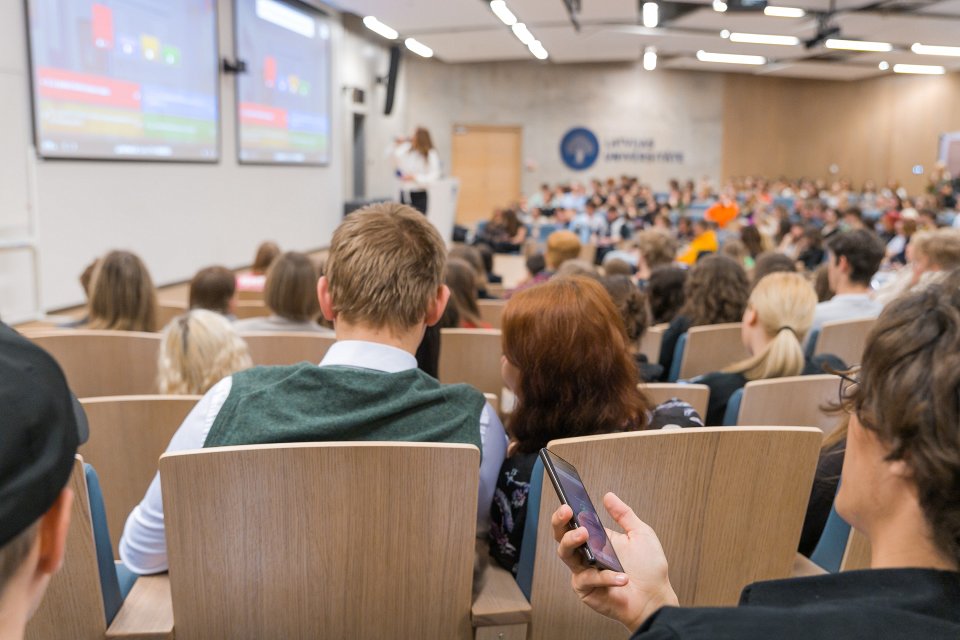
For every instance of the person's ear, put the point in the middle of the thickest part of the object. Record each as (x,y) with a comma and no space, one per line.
(326,302)
(53,533)
(843,264)
(750,317)
(438,306)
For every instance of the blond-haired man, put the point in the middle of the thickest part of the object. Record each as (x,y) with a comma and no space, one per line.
(383,287)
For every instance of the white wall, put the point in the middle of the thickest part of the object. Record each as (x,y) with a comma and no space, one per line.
(178,217)
(681,111)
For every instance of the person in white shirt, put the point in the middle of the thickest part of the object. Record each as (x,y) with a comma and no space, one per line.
(853,257)
(418,165)
(383,287)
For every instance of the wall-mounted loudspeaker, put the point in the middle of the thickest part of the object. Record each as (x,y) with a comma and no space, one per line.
(391,79)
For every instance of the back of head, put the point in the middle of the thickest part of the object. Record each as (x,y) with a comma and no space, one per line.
(422,142)
(941,248)
(863,250)
(267,252)
(632,304)
(784,304)
(86,278)
(42,426)
(772,262)
(213,288)
(473,257)
(617,267)
(716,292)
(577,267)
(461,279)
(291,287)
(576,377)
(561,246)
(753,240)
(908,396)
(123,297)
(385,267)
(199,349)
(665,288)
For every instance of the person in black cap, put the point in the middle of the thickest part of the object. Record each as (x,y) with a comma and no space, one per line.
(41,425)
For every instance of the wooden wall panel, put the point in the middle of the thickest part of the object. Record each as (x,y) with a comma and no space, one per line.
(873,129)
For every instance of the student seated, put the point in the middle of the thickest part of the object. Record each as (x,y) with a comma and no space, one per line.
(635,313)
(853,257)
(215,289)
(704,241)
(256,279)
(42,425)
(778,316)
(715,293)
(565,357)
(665,290)
(86,282)
(199,349)
(901,489)
(383,287)
(474,257)
(561,246)
(122,296)
(290,293)
(462,282)
(771,262)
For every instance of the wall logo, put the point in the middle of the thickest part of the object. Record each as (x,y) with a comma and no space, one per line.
(579,148)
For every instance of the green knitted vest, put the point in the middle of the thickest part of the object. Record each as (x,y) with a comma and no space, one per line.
(307,403)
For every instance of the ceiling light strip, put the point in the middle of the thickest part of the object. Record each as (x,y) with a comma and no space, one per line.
(651,14)
(520,30)
(380,28)
(922,69)
(730,58)
(761,38)
(499,8)
(784,12)
(418,48)
(934,50)
(858,45)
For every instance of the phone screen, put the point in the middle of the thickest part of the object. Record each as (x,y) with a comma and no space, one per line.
(584,514)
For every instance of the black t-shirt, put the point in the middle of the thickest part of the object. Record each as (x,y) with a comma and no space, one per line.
(878,604)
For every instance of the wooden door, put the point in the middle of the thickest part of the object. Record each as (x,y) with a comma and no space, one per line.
(487,161)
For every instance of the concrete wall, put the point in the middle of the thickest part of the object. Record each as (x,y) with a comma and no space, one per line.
(629,110)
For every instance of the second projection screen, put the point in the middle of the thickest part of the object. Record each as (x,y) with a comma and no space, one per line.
(284,96)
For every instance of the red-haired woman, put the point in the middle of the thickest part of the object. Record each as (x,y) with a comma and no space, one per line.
(566,359)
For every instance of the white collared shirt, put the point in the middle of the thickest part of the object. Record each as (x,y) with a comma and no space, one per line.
(143,547)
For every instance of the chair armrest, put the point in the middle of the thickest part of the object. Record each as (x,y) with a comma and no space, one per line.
(804,567)
(499,601)
(147,612)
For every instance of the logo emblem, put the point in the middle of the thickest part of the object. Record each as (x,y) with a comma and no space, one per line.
(579,148)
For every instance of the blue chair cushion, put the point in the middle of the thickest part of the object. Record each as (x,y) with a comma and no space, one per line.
(677,358)
(528,546)
(833,543)
(110,585)
(811,346)
(732,411)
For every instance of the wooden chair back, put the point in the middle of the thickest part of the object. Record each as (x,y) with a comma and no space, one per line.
(471,356)
(244,295)
(698,395)
(727,504)
(72,608)
(845,339)
(251,309)
(497,290)
(104,363)
(273,348)
(711,348)
(167,311)
(797,400)
(491,311)
(857,554)
(128,434)
(331,540)
(651,341)
(512,268)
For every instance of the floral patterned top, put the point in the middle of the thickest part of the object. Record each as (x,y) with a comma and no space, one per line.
(508,513)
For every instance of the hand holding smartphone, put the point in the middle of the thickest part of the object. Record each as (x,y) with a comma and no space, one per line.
(598,551)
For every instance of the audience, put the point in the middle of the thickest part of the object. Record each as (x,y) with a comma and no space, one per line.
(214,289)
(715,293)
(291,295)
(589,386)
(462,282)
(704,241)
(901,479)
(199,349)
(778,316)
(561,246)
(42,426)
(635,313)
(655,248)
(853,258)
(930,255)
(123,297)
(383,287)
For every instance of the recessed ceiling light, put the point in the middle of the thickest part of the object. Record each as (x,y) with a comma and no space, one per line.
(761,38)
(934,50)
(650,58)
(884,65)
(536,48)
(418,48)
(523,34)
(923,69)
(651,14)
(499,8)
(858,45)
(719,6)
(725,34)
(730,58)
(379,28)
(784,12)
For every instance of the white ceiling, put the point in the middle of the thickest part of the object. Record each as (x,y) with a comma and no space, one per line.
(467,31)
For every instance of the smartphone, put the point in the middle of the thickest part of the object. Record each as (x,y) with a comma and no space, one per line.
(569,487)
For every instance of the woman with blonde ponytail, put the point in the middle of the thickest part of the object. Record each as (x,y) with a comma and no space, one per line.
(778,316)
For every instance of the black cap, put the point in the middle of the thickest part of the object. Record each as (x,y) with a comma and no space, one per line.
(41,424)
